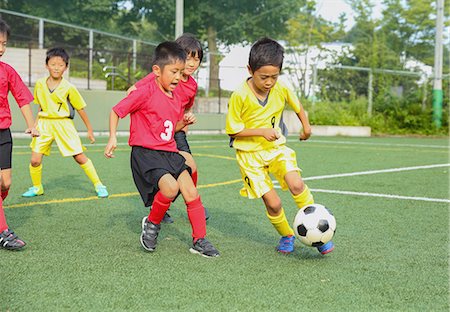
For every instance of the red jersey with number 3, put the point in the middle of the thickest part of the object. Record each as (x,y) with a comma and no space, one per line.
(153,116)
(185,89)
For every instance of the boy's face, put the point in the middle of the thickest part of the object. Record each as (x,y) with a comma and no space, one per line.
(56,67)
(3,41)
(265,77)
(170,75)
(192,63)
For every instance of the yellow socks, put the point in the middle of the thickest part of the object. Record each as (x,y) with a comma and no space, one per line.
(281,224)
(36,176)
(304,198)
(90,171)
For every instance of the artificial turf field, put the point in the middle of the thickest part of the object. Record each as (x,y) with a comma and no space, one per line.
(390,197)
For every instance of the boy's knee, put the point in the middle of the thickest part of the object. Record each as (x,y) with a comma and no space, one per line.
(190,195)
(171,191)
(35,162)
(297,187)
(6,184)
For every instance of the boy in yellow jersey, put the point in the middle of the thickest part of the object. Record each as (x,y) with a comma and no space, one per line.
(253,123)
(58,99)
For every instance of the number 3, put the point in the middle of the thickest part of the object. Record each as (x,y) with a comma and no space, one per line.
(167,134)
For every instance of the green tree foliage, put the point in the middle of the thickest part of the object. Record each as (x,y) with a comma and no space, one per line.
(220,22)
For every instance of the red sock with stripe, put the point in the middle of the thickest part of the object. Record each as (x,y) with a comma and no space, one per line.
(196,215)
(3,225)
(194,176)
(159,207)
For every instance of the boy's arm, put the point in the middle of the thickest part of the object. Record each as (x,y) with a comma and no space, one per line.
(86,121)
(28,116)
(270,134)
(188,119)
(112,142)
(306,127)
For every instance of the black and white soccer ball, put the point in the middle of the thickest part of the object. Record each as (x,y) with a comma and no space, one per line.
(314,225)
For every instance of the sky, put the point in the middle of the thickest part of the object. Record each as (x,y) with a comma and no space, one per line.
(331,9)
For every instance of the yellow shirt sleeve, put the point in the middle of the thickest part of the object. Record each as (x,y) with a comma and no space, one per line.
(76,99)
(291,98)
(234,123)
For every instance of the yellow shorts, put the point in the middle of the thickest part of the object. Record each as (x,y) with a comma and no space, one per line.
(60,130)
(256,166)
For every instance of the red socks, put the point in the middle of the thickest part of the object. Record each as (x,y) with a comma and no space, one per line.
(4,193)
(159,207)
(196,215)
(3,225)
(194,176)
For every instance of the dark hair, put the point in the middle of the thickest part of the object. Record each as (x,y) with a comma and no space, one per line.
(57,52)
(4,28)
(264,52)
(168,52)
(191,45)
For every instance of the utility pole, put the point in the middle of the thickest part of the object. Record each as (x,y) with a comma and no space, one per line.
(437,84)
(179,15)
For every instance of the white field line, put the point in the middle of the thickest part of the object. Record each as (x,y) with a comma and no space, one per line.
(352,174)
(291,140)
(438,200)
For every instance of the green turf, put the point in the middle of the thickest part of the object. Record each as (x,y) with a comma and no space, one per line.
(391,254)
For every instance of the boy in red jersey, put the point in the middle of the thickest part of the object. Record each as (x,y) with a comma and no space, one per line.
(10,81)
(186,89)
(159,171)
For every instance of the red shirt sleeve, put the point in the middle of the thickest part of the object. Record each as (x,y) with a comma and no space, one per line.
(144,80)
(18,89)
(132,102)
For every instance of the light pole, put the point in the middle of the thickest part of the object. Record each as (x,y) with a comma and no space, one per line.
(437,84)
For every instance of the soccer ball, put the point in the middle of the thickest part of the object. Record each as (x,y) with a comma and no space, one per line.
(314,225)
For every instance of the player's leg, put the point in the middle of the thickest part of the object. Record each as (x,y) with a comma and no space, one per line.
(277,217)
(151,224)
(6,182)
(40,146)
(196,215)
(300,192)
(88,167)
(35,168)
(6,145)
(8,239)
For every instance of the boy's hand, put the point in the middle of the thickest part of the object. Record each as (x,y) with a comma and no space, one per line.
(110,147)
(131,89)
(271,134)
(305,134)
(33,131)
(189,118)
(91,137)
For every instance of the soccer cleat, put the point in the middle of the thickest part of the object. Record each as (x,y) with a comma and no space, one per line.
(149,234)
(101,190)
(203,247)
(326,248)
(11,241)
(34,191)
(286,244)
(167,218)
(206,214)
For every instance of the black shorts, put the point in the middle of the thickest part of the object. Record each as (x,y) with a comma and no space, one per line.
(5,148)
(148,166)
(182,143)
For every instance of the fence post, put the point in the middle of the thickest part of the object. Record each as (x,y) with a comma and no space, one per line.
(91,52)
(369,96)
(41,33)
(29,63)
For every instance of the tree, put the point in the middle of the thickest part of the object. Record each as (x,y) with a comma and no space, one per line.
(221,22)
